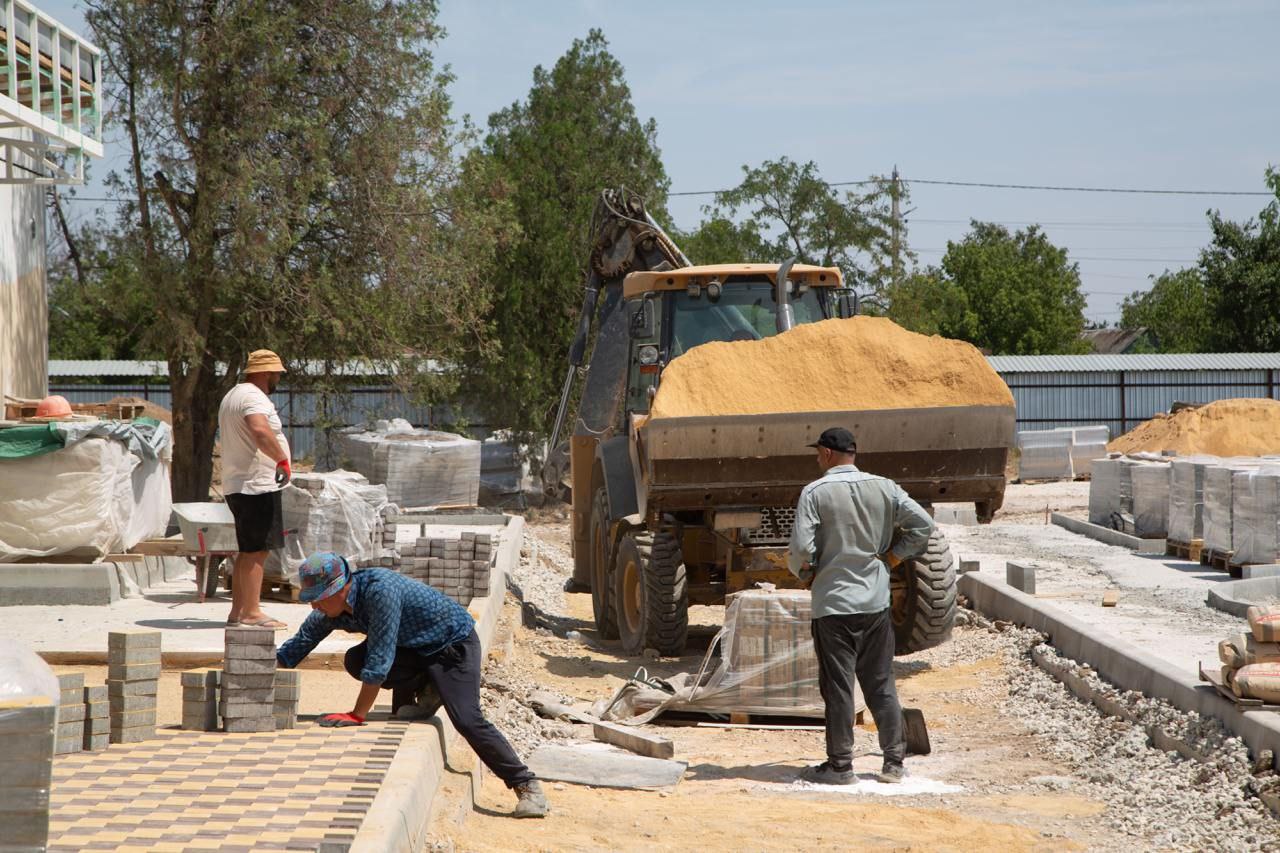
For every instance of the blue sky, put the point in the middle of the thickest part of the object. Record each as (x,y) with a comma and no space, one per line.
(1171,95)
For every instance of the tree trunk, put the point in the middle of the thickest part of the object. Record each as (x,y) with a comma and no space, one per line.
(196,397)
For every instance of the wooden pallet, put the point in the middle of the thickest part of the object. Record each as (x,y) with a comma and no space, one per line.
(1242,704)
(279,591)
(1220,560)
(1185,550)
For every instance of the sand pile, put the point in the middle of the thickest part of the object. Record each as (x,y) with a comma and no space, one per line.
(1246,427)
(836,365)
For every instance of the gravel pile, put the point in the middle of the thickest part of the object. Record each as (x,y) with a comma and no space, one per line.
(1158,797)
(539,577)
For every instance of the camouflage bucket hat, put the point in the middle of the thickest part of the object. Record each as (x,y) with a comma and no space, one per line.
(321,575)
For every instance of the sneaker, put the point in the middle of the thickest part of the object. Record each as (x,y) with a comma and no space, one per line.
(825,774)
(532,802)
(892,773)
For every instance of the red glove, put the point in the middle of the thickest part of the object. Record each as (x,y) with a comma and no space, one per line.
(284,473)
(340,721)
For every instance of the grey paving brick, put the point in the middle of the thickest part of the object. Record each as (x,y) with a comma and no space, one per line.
(116,687)
(97,741)
(251,636)
(240,725)
(95,693)
(237,666)
(146,654)
(241,681)
(132,734)
(133,640)
(202,677)
(71,713)
(129,719)
(244,651)
(71,681)
(246,709)
(125,704)
(133,672)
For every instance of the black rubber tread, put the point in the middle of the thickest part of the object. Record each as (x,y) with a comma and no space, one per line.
(664,607)
(930,609)
(602,570)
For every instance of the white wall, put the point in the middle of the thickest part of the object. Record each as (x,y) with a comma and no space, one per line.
(24,313)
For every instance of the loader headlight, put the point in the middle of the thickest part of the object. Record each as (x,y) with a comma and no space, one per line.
(648,355)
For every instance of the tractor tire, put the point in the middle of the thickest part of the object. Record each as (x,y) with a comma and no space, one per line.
(652,593)
(924,600)
(601,565)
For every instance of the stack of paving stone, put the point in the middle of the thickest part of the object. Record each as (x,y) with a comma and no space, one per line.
(70,713)
(288,690)
(27,736)
(133,680)
(459,568)
(97,718)
(249,680)
(200,699)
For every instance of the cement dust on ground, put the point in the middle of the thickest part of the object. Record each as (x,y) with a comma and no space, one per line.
(739,791)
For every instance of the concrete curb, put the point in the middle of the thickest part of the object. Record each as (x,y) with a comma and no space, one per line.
(1119,662)
(1108,536)
(1236,597)
(398,819)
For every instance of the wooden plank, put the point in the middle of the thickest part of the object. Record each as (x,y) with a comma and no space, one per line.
(1111,598)
(172,547)
(631,739)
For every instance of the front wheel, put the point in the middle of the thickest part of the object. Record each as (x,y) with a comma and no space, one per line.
(602,601)
(652,593)
(924,598)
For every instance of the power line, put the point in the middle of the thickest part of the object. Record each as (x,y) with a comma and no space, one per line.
(1041,187)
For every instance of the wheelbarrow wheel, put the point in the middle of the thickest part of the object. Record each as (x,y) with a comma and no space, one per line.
(212,570)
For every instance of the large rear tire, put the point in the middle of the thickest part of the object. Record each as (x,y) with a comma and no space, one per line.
(652,593)
(924,598)
(602,583)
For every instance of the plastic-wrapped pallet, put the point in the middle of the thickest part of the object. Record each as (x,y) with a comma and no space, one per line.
(1087,444)
(1044,455)
(334,511)
(1186,497)
(420,469)
(1255,514)
(1149,497)
(1218,499)
(1105,488)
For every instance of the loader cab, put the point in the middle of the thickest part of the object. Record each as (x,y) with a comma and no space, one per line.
(674,311)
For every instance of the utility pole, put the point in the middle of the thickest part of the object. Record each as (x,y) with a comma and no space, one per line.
(895,192)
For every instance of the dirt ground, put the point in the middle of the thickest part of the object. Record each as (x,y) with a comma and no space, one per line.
(738,791)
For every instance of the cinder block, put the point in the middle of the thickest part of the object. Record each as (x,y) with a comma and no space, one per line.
(127,704)
(130,719)
(95,693)
(251,636)
(249,695)
(71,681)
(33,715)
(133,640)
(116,687)
(71,713)
(241,651)
(246,709)
(133,734)
(146,654)
(1021,577)
(239,666)
(244,725)
(97,741)
(133,672)
(247,681)
(202,677)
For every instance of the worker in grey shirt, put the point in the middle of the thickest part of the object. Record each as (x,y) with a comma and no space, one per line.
(842,539)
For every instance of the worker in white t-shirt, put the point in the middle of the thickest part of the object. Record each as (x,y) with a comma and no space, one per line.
(255,467)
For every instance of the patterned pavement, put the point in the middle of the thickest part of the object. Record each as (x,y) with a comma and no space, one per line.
(298,789)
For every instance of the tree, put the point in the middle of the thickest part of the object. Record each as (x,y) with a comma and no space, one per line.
(783,209)
(574,135)
(1175,310)
(1241,273)
(1014,294)
(928,302)
(291,184)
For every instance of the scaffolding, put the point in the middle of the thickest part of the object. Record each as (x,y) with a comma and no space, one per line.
(47,128)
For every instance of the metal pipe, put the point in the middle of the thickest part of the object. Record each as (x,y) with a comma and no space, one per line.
(785,317)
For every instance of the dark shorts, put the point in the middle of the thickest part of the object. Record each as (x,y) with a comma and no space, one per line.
(259,522)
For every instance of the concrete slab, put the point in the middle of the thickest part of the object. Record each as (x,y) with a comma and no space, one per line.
(1021,577)
(58,584)
(1236,597)
(1107,535)
(604,769)
(1260,571)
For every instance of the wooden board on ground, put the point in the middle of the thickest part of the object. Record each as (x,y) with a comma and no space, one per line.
(604,769)
(1242,703)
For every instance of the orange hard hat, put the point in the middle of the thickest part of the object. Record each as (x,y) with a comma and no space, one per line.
(54,406)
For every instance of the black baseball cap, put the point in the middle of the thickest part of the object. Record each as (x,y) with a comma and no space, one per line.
(838,439)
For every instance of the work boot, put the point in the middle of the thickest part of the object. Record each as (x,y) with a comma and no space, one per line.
(892,773)
(825,774)
(532,802)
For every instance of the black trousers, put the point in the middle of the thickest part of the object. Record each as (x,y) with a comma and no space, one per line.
(455,671)
(859,645)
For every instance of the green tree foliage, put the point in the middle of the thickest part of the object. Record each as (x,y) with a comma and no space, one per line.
(292,184)
(783,209)
(575,134)
(1241,273)
(1011,294)
(1175,310)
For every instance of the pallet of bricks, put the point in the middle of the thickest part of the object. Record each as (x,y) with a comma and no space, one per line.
(1251,662)
(133,680)
(458,565)
(253,695)
(28,733)
(1240,508)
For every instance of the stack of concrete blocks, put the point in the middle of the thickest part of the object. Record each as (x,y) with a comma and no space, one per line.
(1255,516)
(27,736)
(1087,444)
(200,699)
(70,713)
(288,690)
(1105,488)
(248,697)
(1219,498)
(460,568)
(1186,497)
(97,718)
(1149,499)
(133,680)
(420,469)
(1044,455)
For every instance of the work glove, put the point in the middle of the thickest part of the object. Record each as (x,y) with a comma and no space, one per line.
(892,560)
(340,721)
(284,473)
